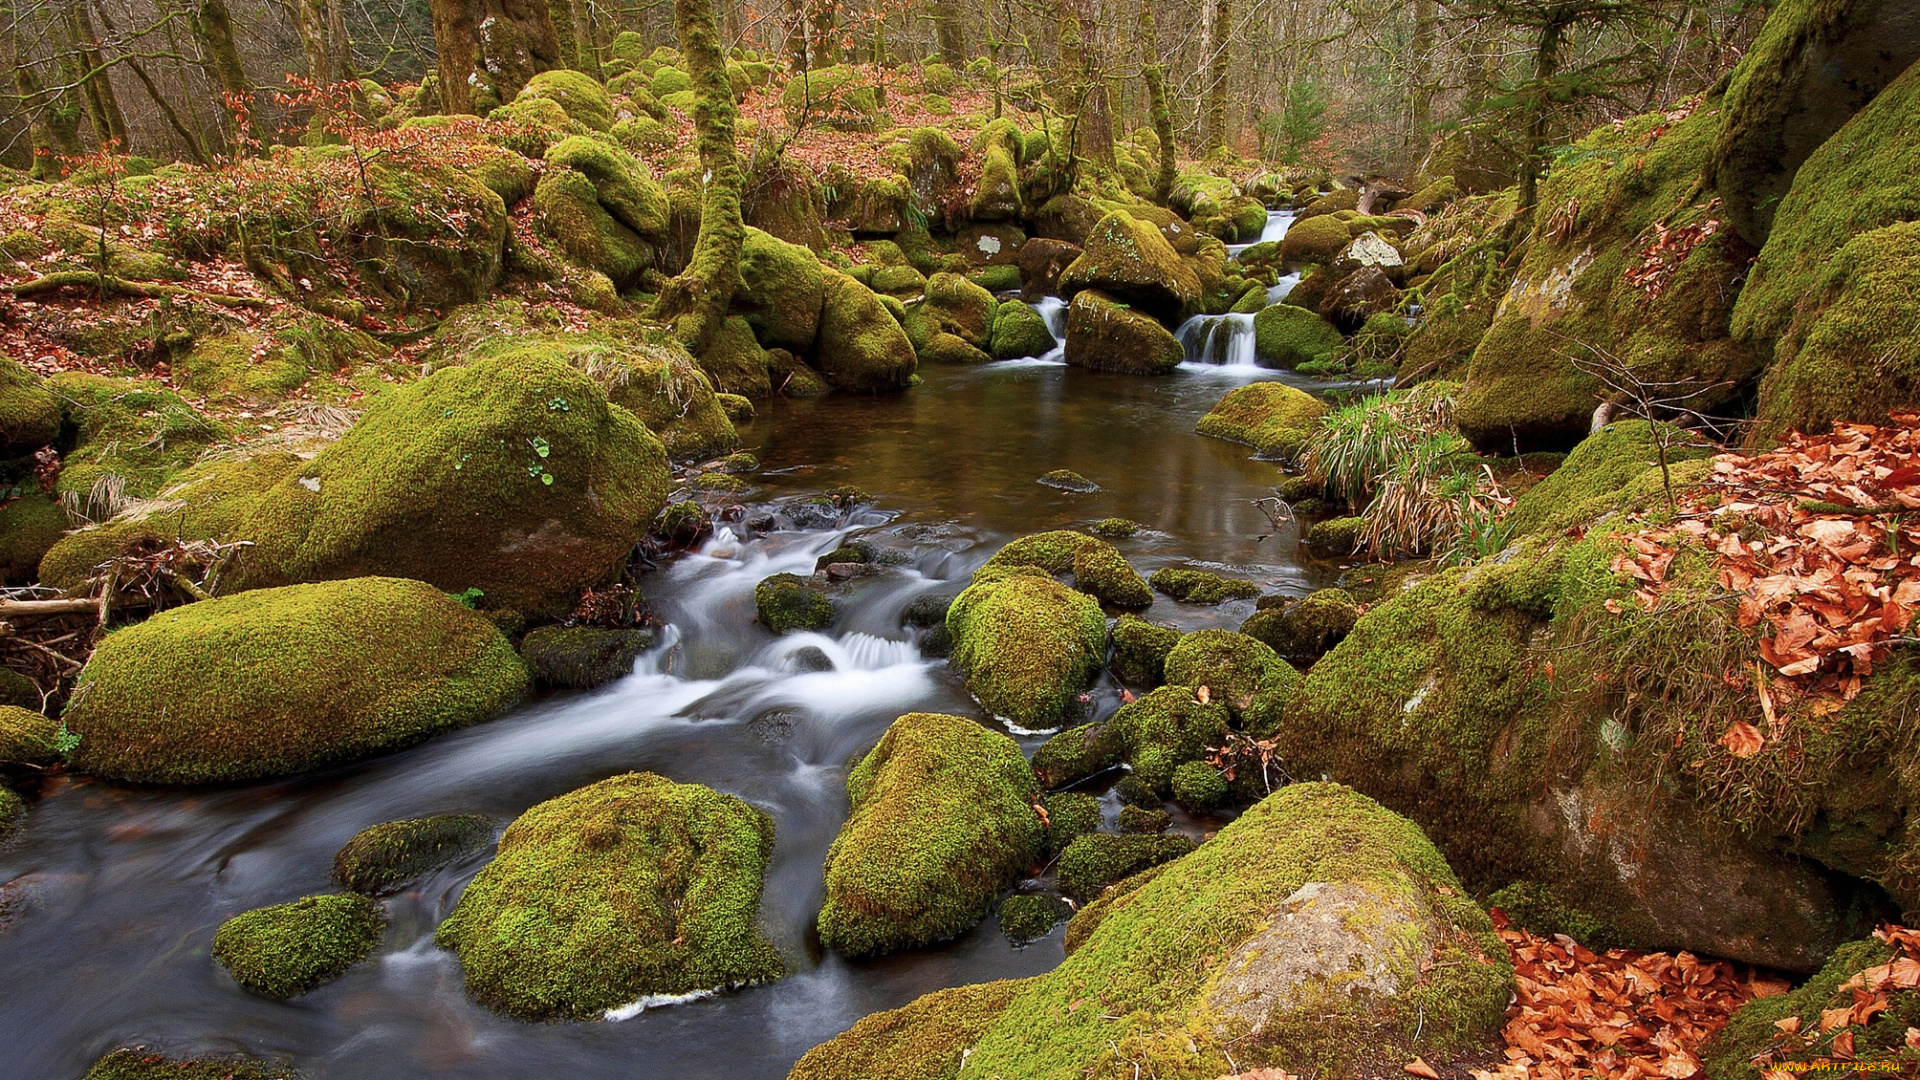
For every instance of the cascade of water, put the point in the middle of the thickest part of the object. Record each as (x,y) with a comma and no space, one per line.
(1053,311)
(1273,231)
(1222,340)
(1281,288)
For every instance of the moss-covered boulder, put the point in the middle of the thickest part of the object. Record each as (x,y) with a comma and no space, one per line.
(384,857)
(1097,567)
(1166,729)
(926,1039)
(602,205)
(29,413)
(842,96)
(1314,241)
(861,347)
(735,362)
(584,100)
(30,525)
(1130,261)
(1094,861)
(1826,300)
(1611,469)
(1027,644)
(1107,335)
(1317,933)
(1018,331)
(1028,917)
(137,1063)
(626,888)
(1273,418)
(513,475)
(278,681)
(1200,586)
(1287,336)
(1239,672)
(12,808)
(959,307)
(996,194)
(133,428)
(583,657)
(1140,650)
(1306,628)
(943,819)
(1077,753)
(1769,1035)
(782,288)
(1587,291)
(789,602)
(27,737)
(286,950)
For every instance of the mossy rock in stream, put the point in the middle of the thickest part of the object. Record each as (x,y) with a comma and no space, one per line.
(286,950)
(861,347)
(1140,650)
(11,809)
(1018,331)
(1098,860)
(1104,334)
(1097,567)
(1288,336)
(623,889)
(1612,468)
(926,1039)
(782,288)
(1240,672)
(381,858)
(513,475)
(1070,814)
(279,681)
(789,602)
(1166,729)
(1200,586)
(1077,753)
(583,657)
(1305,628)
(136,1063)
(28,737)
(1273,418)
(1029,917)
(942,820)
(1027,644)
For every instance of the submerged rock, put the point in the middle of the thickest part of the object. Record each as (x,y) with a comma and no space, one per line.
(582,657)
(286,950)
(942,820)
(1027,644)
(381,858)
(623,889)
(279,681)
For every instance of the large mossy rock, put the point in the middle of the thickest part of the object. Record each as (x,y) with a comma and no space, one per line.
(1107,335)
(1830,300)
(1441,704)
(1271,417)
(513,475)
(1815,64)
(1287,336)
(438,233)
(1028,644)
(131,1063)
(943,819)
(996,194)
(603,207)
(630,887)
(1586,290)
(782,288)
(925,1039)
(1317,933)
(278,681)
(27,737)
(957,306)
(1097,567)
(384,857)
(861,347)
(135,429)
(1130,261)
(1238,671)
(30,525)
(583,99)
(286,950)
(1608,471)
(1314,241)
(29,413)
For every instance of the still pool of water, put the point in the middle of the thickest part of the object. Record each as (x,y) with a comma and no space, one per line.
(117,891)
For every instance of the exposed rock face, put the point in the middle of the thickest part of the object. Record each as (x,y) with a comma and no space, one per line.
(1107,335)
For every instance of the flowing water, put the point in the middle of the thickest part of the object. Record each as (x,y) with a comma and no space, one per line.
(117,891)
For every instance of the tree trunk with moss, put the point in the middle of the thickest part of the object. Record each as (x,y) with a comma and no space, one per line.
(212,28)
(695,303)
(566,45)
(490,48)
(84,67)
(823,37)
(1156,79)
(950,31)
(1217,72)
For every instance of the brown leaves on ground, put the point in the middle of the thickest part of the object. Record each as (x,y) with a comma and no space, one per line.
(1855,1003)
(1621,1015)
(1820,542)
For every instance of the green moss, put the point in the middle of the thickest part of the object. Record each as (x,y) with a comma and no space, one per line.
(1018,331)
(445,480)
(1140,650)
(1271,417)
(1097,567)
(1166,729)
(582,657)
(27,737)
(782,287)
(1002,278)
(1027,644)
(789,602)
(1546,910)
(1077,753)
(278,681)
(286,950)
(839,97)
(1070,814)
(942,820)
(1289,336)
(1199,786)
(629,887)
(382,858)
(1604,473)
(30,525)
(861,347)
(1240,672)
(1754,1031)
(136,429)
(735,361)
(1335,537)
(1115,527)
(584,100)
(1305,628)
(1029,917)
(1165,957)
(1098,860)
(270,363)
(997,194)
(1130,261)
(603,207)
(1144,821)
(29,414)
(140,1064)
(926,1039)
(12,809)
(960,307)
(1313,241)
(1200,586)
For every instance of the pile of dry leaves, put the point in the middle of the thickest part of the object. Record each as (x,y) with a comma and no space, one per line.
(1819,541)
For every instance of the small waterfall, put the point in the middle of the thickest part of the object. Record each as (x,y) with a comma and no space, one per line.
(1220,340)
(1281,288)
(1053,311)
(1273,231)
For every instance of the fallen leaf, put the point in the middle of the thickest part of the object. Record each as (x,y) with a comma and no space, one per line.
(1742,740)
(1419,1067)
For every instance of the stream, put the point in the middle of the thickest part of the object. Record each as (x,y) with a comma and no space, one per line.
(119,890)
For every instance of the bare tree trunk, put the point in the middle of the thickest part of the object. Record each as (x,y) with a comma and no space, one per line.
(489,49)
(1420,111)
(89,71)
(695,303)
(1217,70)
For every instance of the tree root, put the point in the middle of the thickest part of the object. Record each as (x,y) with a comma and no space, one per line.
(107,283)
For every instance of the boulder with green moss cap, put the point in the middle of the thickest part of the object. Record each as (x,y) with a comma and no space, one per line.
(926,1039)
(789,602)
(286,950)
(782,287)
(1027,644)
(1069,814)
(861,347)
(603,206)
(30,526)
(1239,672)
(1140,650)
(278,681)
(1105,334)
(1029,917)
(1305,628)
(27,737)
(1131,262)
(584,100)
(1771,1035)
(1077,753)
(1098,860)
(135,429)
(960,307)
(1018,331)
(1287,336)
(513,475)
(1097,567)
(29,413)
(384,857)
(942,820)
(623,889)
(1200,586)
(583,657)
(1165,729)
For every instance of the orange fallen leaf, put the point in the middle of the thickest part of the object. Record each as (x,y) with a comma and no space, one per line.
(1742,740)
(1419,1067)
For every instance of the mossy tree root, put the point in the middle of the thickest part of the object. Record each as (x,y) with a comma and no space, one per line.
(107,283)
